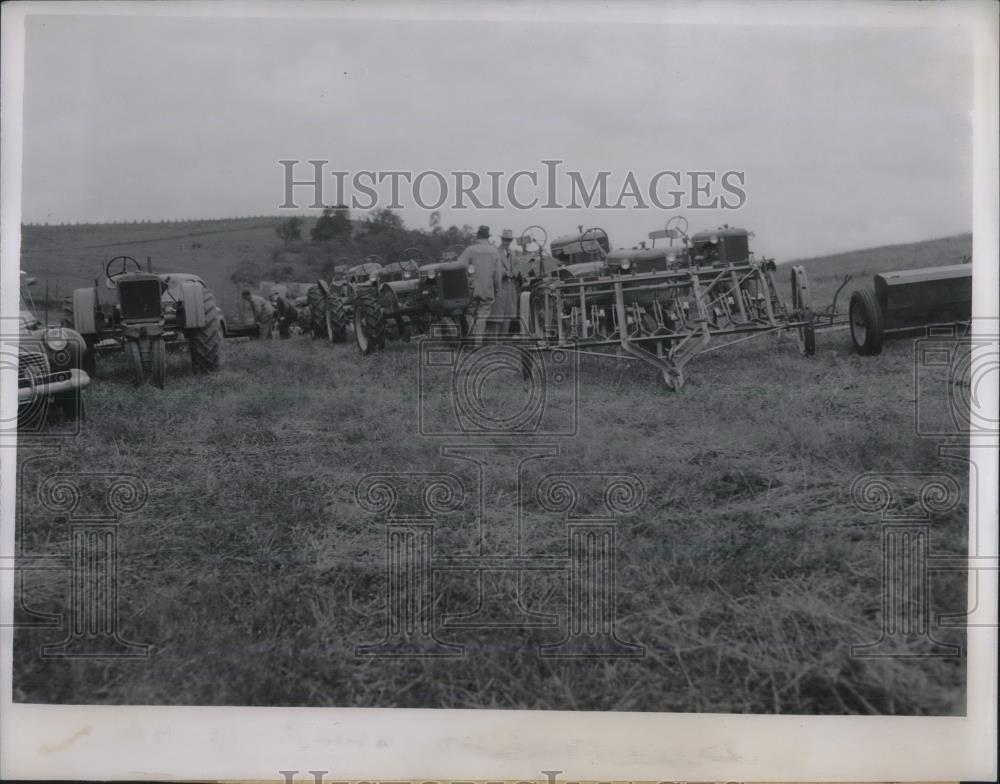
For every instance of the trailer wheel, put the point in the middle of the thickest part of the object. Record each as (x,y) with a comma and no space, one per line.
(865,317)
(369,323)
(134,357)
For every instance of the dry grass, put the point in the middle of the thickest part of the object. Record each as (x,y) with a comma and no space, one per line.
(747,575)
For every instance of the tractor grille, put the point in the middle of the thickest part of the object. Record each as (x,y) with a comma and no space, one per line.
(31,365)
(454,284)
(139,300)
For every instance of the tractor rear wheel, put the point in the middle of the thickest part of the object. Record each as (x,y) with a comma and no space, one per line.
(865,317)
(369,323)
(134,357)
(335,319)
(206,342)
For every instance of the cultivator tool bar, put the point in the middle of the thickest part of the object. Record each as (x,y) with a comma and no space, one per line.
(667,318)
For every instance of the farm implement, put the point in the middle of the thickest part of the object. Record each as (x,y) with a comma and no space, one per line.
(666,305)
(695,294)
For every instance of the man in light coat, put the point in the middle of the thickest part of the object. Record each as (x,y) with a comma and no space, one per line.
(483,261)
(504,314)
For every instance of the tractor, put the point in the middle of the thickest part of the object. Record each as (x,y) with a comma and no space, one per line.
(414,299)
(146,312)
(332,303)
(328,319)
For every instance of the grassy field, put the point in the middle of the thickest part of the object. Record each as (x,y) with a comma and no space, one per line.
(747,575)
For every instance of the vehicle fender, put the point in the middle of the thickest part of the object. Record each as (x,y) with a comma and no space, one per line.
(193,300)
(84,307)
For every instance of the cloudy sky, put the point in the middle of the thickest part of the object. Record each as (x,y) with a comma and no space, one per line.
(849,137)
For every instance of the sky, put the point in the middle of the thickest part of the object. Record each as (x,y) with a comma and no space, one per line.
(849,137)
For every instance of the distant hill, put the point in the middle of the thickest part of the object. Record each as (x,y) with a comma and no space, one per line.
(67,257)
(825,273)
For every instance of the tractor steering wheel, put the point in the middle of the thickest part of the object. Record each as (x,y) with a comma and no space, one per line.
(123,262)
(530,237)
(678,224)
(412,254)
(590,241)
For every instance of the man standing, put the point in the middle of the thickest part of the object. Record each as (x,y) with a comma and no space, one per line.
(483,261)
(286,314)
(505,306)
(263,313)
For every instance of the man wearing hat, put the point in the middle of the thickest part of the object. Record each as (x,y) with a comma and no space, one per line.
(483,261)
(504,314)
(263,312)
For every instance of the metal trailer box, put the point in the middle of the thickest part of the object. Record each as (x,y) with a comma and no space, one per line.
(918,297)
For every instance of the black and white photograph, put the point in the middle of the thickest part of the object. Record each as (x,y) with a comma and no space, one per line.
(520,361)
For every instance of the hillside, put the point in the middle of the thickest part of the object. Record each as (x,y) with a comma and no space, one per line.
(67,257)
(826,272)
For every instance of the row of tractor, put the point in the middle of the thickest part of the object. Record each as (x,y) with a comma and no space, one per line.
(400,300)
(662,304)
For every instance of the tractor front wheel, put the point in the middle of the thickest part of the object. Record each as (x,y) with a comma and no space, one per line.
(369,323)
(865,317)
(158,362)
(134,357)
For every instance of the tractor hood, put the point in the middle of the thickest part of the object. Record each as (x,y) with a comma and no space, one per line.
(586,269)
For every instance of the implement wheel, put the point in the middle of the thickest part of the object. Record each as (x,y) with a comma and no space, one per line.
(865,316)
(807,335)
